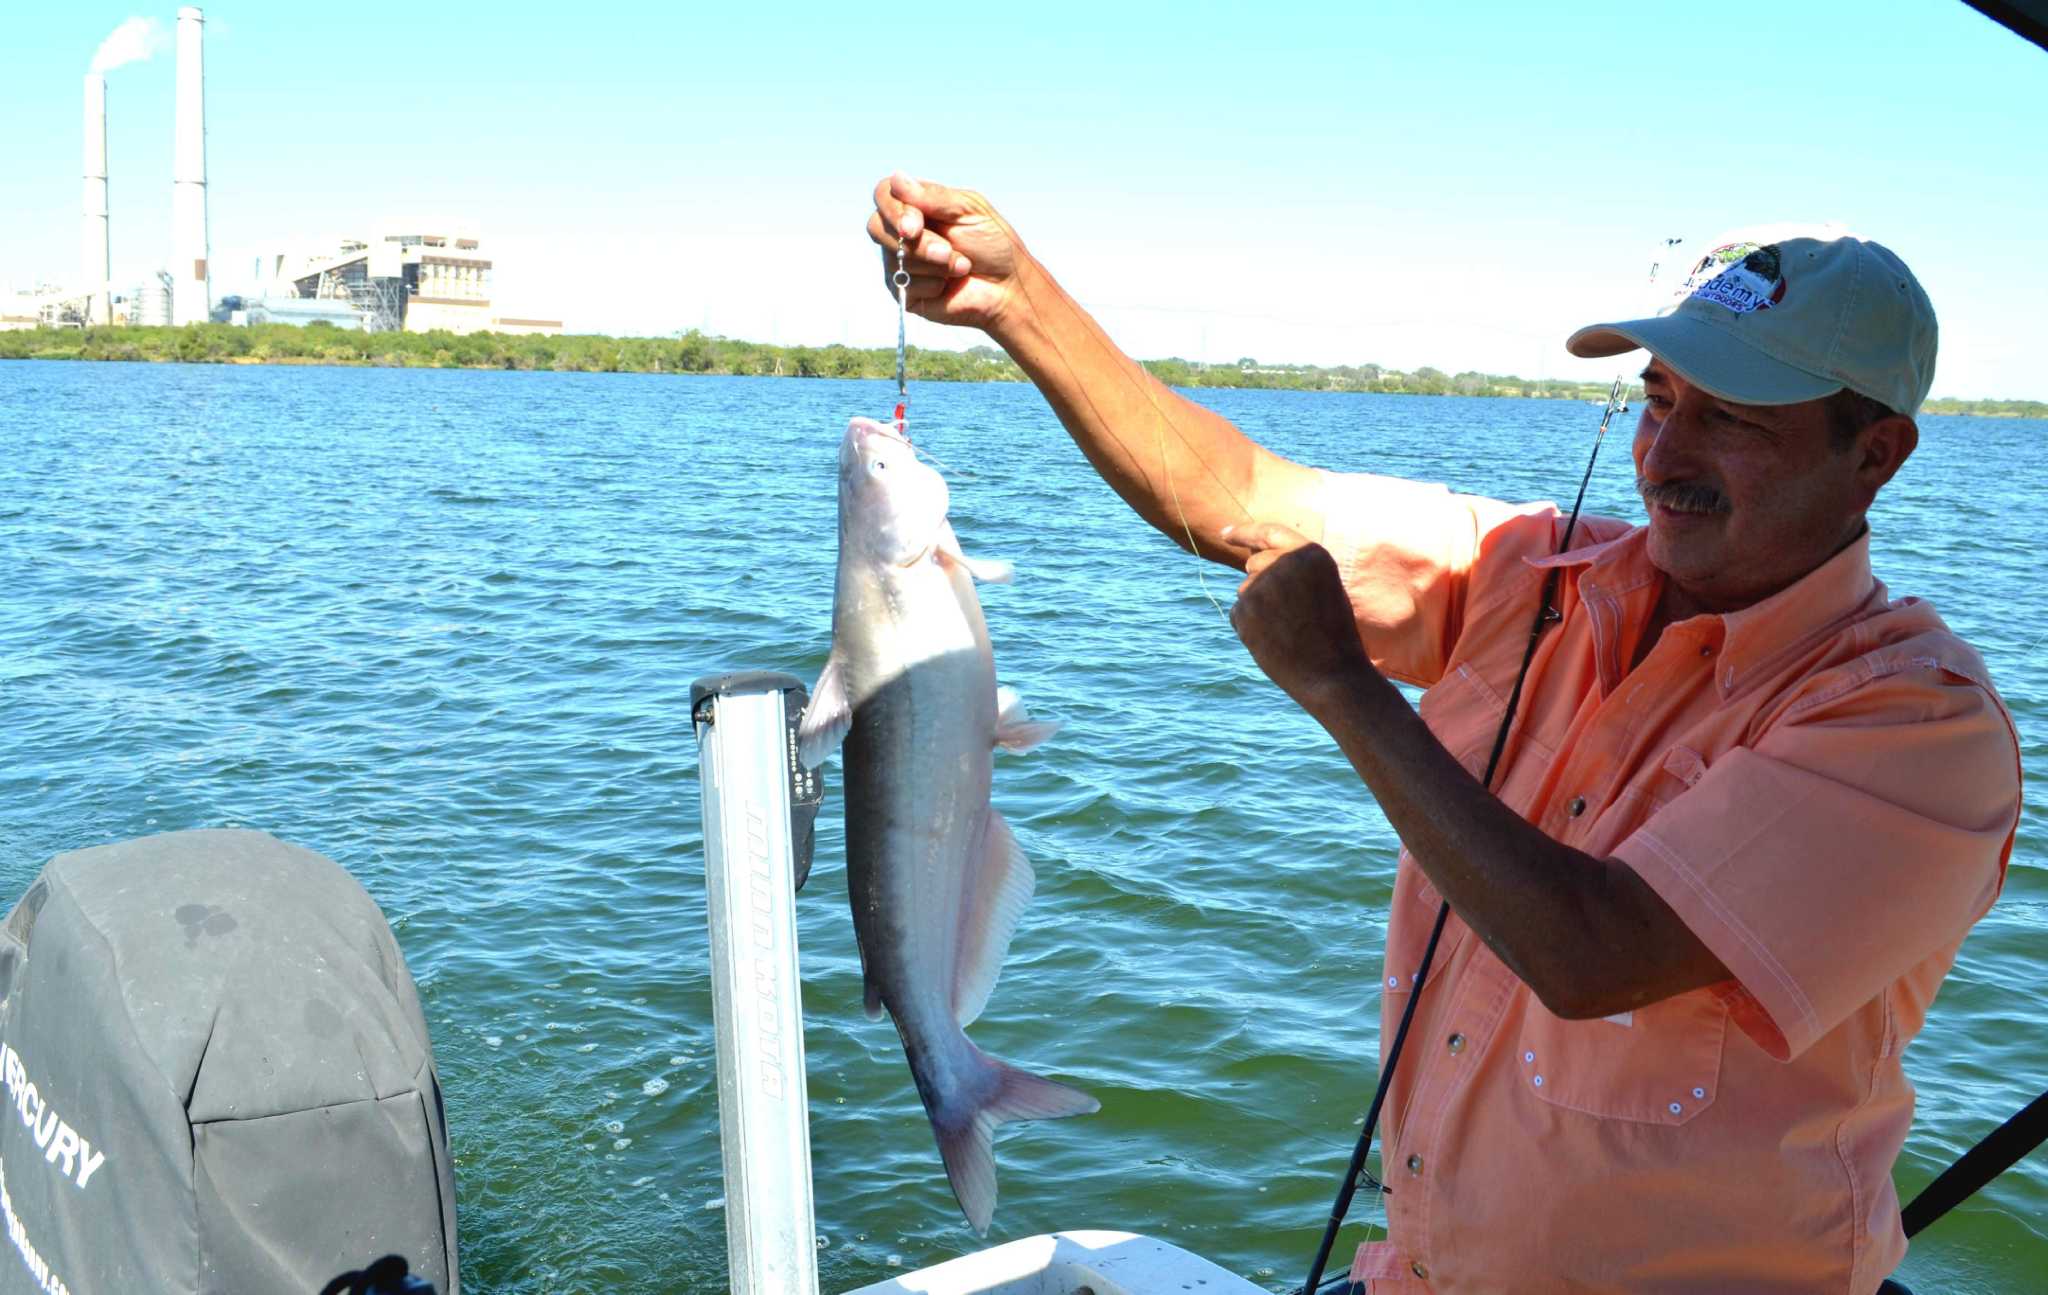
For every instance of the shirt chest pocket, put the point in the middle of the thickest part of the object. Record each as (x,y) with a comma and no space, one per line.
(1637,803)
(1659,1064)
(1682,768)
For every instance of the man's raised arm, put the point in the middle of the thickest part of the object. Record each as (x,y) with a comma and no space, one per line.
(1185,469)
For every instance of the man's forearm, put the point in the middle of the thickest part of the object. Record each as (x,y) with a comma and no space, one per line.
(1586,934)
(1185,469)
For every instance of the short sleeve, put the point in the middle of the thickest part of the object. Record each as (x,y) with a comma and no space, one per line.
(1860,836)
(1414,556)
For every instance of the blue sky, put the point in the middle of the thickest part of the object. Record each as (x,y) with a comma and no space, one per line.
(1451,184)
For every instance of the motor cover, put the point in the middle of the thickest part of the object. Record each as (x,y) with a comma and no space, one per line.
(214,1077)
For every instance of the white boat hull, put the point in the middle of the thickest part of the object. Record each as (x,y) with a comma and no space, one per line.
(1070,1263)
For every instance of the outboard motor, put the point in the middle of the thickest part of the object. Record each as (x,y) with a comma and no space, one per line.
(214,1077)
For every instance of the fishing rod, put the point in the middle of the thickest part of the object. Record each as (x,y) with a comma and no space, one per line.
(2000,1150)
(1546,615)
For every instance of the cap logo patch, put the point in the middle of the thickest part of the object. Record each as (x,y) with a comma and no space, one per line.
(1742,277)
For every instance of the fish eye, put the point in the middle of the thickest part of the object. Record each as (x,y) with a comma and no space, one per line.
(879,464)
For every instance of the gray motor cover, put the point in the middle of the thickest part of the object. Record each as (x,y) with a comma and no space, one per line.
(214,1077)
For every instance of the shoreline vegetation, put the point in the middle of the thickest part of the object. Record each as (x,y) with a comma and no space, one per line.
(699,353)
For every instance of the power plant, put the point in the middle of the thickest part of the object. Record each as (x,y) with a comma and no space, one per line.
(191,287)
(400,280)
(96,245)
(417,282)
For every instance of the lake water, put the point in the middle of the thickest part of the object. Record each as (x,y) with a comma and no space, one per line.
(441,627)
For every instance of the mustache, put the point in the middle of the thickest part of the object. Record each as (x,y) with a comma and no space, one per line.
(1682,496)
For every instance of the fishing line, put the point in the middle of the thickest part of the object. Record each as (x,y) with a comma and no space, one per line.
(1201,576)
(1546,614)
(901,280)
(1164,420)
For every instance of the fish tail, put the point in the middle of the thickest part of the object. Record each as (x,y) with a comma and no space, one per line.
(965,1136)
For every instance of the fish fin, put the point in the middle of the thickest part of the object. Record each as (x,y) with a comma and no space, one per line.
(826,718)
(966,1145)
(990,571)
(998,894)
(1015,729)
(870,988)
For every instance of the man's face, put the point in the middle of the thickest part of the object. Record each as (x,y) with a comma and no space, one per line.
(1743,499)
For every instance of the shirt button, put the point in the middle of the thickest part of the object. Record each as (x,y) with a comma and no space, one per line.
(1706,649)
(1577,807)
(1456,1043)
(1419,1270)
(1699,1092)
(1415,1164)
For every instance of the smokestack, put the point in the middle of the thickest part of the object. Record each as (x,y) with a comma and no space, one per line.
(192,289)
(94,245)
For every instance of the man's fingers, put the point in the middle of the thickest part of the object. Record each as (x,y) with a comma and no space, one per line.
(931,201)
(886,225)
(1256,537)
(904,205)
(926,250)
(936,253)
(925,281)
(1264,558)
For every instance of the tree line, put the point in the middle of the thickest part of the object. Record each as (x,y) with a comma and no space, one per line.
(702,353)
(322,343)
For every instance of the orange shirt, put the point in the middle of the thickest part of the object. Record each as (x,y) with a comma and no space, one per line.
(1824,787)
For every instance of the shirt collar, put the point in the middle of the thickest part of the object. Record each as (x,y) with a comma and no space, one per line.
(1755,634)
(1809,606)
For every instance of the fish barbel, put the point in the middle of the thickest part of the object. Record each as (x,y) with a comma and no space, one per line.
(936,878)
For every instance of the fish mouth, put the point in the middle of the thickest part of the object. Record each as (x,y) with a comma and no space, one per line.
(860,429)
(869,427)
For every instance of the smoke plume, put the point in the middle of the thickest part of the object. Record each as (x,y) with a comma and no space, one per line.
(132,42)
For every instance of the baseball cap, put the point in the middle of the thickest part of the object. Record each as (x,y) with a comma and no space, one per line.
(1778,314)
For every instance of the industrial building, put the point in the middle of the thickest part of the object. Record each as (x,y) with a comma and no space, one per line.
(64,306)
(412,281)
(183,293)
(191,285)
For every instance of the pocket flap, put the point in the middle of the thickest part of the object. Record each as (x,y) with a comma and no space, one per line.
(1659,1064)
(1685,764)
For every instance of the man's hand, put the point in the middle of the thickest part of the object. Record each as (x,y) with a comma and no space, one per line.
(962,257)
(1294,615)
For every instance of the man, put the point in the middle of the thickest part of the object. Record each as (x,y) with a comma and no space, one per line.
(1748,809)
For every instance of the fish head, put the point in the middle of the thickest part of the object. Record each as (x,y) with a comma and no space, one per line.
(892,507)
